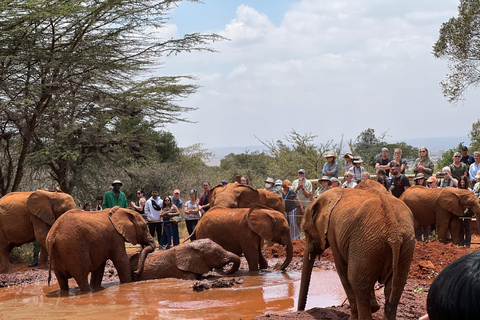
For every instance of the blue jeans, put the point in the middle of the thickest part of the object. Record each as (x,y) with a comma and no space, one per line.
(171,230)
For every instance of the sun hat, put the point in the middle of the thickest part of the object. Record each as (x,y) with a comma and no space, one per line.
(117,182)
(269,180)
(349,155)
(278,182)
(333,179)
(330,154)
(419,176)
(325,178)
(432,179)
(357,160)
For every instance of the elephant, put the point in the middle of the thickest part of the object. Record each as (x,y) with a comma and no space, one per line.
(442,207)
(26,216)
(187,261)
(82,241)
(242,230)
(372,239)
(235,195)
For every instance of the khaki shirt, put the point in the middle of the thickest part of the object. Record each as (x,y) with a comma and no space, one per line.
(308,186)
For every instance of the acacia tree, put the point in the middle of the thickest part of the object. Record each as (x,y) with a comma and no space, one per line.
(474,136)
(459,42)
(76,72)
(300,151)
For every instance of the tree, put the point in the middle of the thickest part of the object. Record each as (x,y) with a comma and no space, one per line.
(447,157)
(474,136)
(369,146)
(299,151)
(459,42)
(256,166)
(70,66)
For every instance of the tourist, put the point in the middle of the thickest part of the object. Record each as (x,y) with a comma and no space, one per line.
(384,162)
(458,168)
(291,200)
(330,168)
(114,197)
(423,164)
(192,215)
(325,185)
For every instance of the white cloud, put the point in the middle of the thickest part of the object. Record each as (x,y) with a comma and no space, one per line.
(330,68)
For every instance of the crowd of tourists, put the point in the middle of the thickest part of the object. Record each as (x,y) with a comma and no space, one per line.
(462,173)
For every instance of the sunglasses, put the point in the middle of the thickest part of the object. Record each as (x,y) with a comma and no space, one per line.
(457,156)
(166,200)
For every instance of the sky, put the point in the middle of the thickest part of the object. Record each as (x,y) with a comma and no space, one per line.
(327,68)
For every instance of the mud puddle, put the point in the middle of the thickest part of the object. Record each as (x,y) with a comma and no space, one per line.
(172,298)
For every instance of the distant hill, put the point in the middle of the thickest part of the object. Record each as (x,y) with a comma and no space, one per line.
(436,145)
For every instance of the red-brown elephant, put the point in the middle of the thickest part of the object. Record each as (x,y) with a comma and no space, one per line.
(242,230)
(235,195)
(81,242)
(26,216)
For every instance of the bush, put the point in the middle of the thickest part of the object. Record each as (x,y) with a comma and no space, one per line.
(22,254)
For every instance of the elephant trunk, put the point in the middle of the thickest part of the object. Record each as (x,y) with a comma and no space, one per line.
(289,257)
(308,261)
(236,263)
(143,255)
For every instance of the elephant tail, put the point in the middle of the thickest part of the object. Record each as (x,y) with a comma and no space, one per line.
(190,236)
(49,274)
(395,245)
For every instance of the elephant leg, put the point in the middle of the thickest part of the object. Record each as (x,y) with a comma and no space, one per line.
(97,276)
(43,257)
(442,228)
(455,230)
(62,281)
(5,266)
(252,256)
(263,262)
(342,272)
(82,282)
(124,270)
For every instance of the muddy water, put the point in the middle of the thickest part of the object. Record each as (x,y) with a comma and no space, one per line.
(171,299)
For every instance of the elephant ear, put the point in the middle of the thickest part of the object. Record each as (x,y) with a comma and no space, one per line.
(317,217)
(124,222)
(264,221)
(189,258)
(40,204)
(449,200)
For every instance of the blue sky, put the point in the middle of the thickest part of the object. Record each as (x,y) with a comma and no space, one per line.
(330,68)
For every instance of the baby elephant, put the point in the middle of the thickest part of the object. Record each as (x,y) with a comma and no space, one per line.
(187,261)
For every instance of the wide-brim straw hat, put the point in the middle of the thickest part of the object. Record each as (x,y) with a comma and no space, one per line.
(269,180)
(325,178)
(349,155)
(330,154)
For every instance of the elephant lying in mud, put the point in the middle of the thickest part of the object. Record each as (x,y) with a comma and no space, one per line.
(372,239)
(187,261)
(81,242)
(242,230)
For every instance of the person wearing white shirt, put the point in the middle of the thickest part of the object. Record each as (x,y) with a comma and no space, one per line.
(153,206)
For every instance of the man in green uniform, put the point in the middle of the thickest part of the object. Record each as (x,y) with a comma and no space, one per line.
(115,197)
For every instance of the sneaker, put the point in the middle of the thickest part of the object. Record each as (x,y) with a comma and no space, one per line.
(167,247)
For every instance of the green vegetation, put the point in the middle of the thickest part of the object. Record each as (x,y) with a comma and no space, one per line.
(459,43)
